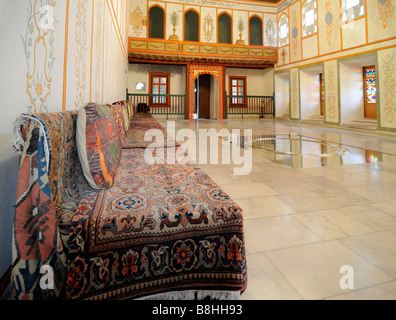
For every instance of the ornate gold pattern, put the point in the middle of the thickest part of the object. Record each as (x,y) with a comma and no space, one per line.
(389,87)
(295,94)
(385,9)
(331,94)
(329,24)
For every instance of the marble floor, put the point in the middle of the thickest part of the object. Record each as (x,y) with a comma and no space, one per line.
(304,220)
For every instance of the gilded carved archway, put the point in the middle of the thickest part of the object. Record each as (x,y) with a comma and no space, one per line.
(193,71)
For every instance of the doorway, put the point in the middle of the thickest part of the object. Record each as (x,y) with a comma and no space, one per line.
(312,94)
(204,96)
(282,98)
(358,92)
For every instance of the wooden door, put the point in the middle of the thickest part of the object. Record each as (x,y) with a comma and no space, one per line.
(204,96)
(370,92)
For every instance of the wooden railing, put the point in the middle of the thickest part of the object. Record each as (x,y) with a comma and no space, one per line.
(166,104)
(250,105)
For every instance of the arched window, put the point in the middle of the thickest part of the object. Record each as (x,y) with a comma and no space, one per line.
(352,9)
(309,18)
(191,29)
(156,23)
(283,30)
(224,28)
(256,31)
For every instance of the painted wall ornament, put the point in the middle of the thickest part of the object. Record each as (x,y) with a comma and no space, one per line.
(331,92)
(38,45)
(270,33)
(241,28)
(138,21)
(208,27)
(389,89)
(386,9)
(174,20)
(82,48)
(329,21)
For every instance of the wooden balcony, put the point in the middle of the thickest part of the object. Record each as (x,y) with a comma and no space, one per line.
(166,51)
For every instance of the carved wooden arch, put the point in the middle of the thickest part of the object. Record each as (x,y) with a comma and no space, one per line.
(194,71)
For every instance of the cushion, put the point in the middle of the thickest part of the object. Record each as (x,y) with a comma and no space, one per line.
(119,117)
(98,144)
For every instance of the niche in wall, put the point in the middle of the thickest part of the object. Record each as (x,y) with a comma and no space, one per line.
(282,95)
(352,93)
(310,93)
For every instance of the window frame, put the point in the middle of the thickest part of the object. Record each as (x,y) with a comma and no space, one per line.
(303,18)
(237,105)
(151,83)
(279,31)
(346,12)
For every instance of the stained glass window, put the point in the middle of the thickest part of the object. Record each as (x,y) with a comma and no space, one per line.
(352,9)
(283,30)
(371,89)
(322,88)
(309,18)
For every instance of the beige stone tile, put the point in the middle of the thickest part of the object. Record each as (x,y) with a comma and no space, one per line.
(228,178)
(248,190)
(371,217)
(346,224)
(314,270)
(361,179)
(322,171)
(342,196)
(319,225)
(289,185)
(276,232)
(378,248)
(265,282)
(260,207)
(388,207)
(385,291)
(376,192)
(319,183)
(307,201)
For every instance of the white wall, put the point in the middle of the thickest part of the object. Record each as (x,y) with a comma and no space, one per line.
(140,73)
(351,88)
(351,92)
(46,69)
(259,82)
(310,92)
(282,95)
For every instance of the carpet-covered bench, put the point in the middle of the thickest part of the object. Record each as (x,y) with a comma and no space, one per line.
(111,226)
